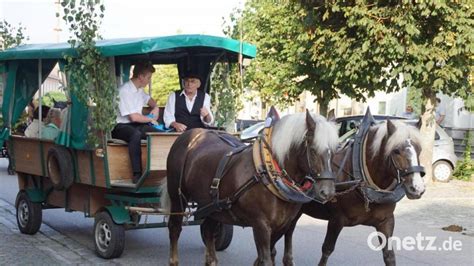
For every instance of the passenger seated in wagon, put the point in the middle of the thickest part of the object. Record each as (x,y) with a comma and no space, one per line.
(50,129)
(32,131)
(132,125)
(190,107)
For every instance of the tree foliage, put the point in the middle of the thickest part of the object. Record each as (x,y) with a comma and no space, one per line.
(88,71)
(357,47)
(11,36)
(164,81)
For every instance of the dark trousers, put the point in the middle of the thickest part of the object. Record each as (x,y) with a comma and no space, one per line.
(133,133)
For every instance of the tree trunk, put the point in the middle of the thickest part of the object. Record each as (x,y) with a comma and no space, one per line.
(427,131)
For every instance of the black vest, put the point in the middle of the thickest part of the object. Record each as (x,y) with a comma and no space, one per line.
(182,115)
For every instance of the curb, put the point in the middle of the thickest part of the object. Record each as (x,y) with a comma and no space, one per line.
(48,246)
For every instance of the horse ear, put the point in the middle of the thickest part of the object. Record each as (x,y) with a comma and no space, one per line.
(391,128)
(310,122)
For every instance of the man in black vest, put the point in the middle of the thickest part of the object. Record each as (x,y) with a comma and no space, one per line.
(189,108)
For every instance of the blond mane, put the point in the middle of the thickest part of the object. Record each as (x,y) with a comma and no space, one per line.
(403,132)
(291,131)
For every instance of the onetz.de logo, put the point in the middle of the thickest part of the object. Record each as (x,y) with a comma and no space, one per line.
(419,242)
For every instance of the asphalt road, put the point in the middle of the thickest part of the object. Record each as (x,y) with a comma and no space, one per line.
(442,205)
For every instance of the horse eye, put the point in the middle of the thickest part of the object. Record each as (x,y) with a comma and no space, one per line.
(396,151)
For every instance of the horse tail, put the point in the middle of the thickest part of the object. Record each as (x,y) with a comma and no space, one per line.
(165,201)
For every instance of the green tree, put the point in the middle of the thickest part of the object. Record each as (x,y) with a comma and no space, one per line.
(428,45)
(11,36)
(164,81)
(286,64)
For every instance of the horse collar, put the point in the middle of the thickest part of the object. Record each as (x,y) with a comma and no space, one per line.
(274,177)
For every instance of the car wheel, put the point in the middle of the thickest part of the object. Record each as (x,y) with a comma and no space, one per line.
(442,171)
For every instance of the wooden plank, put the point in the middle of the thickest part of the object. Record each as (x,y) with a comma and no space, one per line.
(26,155)
(160,147)
(83,167)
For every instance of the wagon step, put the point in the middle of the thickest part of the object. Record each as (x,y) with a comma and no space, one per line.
(123,183)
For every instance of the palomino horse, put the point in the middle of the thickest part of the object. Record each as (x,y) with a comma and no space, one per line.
(301,144)
(394,148)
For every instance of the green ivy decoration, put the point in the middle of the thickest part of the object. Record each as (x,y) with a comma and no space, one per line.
(226,92)
(88,70)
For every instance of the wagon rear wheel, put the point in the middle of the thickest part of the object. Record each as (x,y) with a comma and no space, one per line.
(109,237)
(28,214)
(224,233)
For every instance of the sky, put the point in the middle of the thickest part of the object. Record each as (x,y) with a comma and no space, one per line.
(124,18)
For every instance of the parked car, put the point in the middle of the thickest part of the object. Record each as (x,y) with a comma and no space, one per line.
(444,158)
(252,131)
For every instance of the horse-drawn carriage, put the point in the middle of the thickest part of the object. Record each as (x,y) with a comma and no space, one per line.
(67,173)
(265,185)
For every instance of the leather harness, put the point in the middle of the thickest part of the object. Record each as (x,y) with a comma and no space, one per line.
(360,173)
(276,180)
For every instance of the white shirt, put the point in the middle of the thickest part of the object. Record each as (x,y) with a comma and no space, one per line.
(168,116)
(132,101)
(32,131)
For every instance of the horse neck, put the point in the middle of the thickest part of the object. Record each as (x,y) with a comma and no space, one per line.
(378,166)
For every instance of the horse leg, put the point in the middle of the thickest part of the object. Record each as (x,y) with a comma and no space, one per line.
(262,238)
(208,227)
(288,255)
(386,228)
(333,230)
(174,227)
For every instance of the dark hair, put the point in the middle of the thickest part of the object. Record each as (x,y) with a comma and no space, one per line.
(143,68)
(44,112)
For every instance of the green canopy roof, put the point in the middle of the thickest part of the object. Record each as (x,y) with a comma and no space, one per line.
(131,46)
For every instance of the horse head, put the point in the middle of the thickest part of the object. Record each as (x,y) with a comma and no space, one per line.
(400,146)
(304,144)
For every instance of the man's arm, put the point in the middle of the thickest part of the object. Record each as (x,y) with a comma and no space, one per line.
(168,114)
(139,118)
(206,115)
(155,110)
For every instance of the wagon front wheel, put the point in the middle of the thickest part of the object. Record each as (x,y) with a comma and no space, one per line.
(109,237)
(29,215)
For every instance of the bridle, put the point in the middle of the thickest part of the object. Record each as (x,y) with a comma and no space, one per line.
(313,176)
(403,172)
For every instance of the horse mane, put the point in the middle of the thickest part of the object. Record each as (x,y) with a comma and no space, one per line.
(403,132)
(291,131)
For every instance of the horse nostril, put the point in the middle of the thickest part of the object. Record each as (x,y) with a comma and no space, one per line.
(323,194)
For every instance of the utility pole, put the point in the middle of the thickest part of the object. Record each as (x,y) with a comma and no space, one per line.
(58,29)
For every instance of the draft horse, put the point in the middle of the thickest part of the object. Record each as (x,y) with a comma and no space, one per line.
(301,144)
(392,161)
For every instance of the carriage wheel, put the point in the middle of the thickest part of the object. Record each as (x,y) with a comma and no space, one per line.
(109,238)
(60,169)
(28,214)
(224,233)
